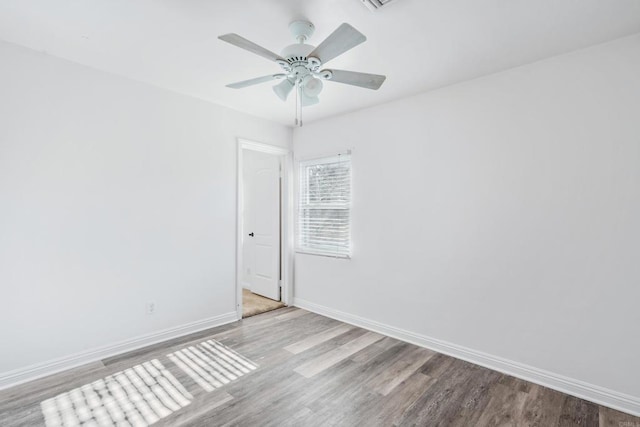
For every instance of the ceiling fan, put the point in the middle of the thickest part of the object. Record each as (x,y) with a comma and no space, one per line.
(302,64)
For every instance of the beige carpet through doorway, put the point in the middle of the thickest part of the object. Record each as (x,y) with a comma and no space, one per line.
(253,304)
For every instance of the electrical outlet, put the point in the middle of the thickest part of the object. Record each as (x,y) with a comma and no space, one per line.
(151,307)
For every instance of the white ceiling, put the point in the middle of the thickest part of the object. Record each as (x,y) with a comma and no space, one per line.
(419,44)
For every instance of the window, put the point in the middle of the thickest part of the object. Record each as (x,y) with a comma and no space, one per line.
(324,206)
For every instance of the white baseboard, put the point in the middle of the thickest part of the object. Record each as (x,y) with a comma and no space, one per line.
(32,372)
(581,389)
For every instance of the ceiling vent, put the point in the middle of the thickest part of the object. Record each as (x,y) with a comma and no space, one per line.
(375,4)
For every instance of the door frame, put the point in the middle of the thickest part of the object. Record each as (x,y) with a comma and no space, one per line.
(286,213)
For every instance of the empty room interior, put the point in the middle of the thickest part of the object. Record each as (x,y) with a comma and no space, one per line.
(320,213)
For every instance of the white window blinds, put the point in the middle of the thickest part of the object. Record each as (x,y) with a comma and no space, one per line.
(324,206)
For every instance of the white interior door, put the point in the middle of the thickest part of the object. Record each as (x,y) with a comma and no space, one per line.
(262,223)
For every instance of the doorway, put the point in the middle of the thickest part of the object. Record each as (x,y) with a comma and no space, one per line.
(263,236)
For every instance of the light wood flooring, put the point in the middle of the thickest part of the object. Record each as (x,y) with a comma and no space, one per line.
(289,367)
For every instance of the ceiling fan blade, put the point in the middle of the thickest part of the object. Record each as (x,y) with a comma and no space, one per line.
(368,81)
(341,40)
(243,43)
(251,82)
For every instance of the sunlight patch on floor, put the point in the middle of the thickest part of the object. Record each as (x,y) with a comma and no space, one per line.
(211,364)
(138,396)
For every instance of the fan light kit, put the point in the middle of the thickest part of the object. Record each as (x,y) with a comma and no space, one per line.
(302,63)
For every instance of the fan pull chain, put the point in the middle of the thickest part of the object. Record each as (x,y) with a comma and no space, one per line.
(300,98)
(296,122)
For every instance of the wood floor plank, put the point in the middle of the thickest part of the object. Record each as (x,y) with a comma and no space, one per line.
(342,392)
(542,406)
(401,370)
(376,349)
(325,361)
(474,398)
(198,408)
(401,398)
(437,365)
(276,335)
(504,408)
(310,371)
(348,380)
(350,412)
(611,418)
(441,403)
(319,338)
(292,315)
(301,417)
(578,412)
(515,383)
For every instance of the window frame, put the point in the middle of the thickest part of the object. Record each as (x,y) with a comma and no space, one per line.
(317,160)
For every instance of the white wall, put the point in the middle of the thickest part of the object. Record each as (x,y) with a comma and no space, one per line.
(113,193)
(502,214)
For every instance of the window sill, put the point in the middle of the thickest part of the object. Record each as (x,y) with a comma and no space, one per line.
(303,252)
